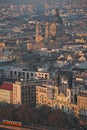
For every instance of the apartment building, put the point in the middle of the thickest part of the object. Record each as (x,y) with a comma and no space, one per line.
(14,72)
(6,92)
(29,92)
(24,73)
(41,95)
(82,102)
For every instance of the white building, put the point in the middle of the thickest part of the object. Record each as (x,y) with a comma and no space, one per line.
(24,73)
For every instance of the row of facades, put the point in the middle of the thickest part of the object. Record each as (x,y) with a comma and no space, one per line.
(35,94)
(32,87)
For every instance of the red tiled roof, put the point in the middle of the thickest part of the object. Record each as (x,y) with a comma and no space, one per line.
(7,86)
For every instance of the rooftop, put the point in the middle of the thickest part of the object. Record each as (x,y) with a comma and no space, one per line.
(7,86)
(82,65)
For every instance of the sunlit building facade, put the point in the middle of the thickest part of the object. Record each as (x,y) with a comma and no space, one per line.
(6,93)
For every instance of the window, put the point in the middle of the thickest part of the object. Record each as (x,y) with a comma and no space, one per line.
(15,72)
(31,74)
(62,107)
(11,73)
(46,76)
(27,75)
(19,74)
(23,73)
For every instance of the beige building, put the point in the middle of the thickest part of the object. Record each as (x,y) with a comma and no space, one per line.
(17,91)
(39,38)
(62,103)
(72,94)
(42,75)
(46,94)
(82,102)
(41,95)
(36,94)
(23,92)
(6,92)
(29,92)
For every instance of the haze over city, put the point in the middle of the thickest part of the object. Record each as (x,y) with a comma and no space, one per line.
(43,64)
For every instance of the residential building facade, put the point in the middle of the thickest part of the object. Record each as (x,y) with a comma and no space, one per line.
(6,92)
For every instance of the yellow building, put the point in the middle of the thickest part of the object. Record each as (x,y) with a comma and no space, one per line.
(41,95)
(28,92)
(6,93)
(62,103)
(17,93)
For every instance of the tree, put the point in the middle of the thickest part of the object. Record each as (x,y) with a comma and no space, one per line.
(26,114)
(7,112)
(43,115)
(58,118)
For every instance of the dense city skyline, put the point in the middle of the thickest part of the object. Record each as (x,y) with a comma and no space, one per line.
(43,64)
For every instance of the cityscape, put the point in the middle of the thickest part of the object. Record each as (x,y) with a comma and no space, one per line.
(43,64)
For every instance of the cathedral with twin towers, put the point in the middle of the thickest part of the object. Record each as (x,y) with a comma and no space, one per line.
(50,30)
